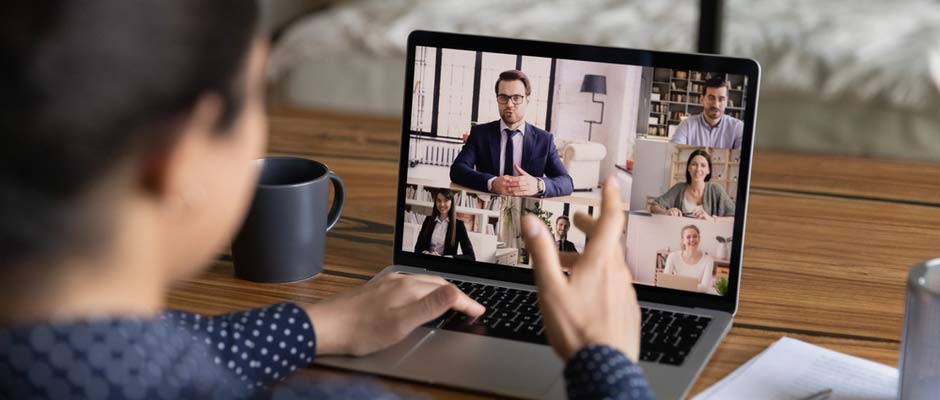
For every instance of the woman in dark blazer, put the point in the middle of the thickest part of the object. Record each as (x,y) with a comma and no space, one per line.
(449,235)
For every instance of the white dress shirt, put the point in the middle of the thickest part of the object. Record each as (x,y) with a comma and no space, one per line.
(439,235)
(517,141)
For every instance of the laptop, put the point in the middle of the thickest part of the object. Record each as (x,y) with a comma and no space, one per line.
(679,282)
(596,111)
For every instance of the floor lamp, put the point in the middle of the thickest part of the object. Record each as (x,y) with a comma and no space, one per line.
(594,84)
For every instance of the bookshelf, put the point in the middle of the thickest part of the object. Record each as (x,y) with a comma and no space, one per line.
(725,167)
(675,95)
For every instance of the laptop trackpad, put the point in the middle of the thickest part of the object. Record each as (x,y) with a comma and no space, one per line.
(499,365)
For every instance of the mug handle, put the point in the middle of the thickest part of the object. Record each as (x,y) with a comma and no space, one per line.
(339,198)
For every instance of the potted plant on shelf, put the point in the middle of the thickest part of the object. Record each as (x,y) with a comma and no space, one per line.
(721,286)
(543,215)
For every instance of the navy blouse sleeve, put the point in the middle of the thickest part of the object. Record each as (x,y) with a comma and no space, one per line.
(602,372)
(263,346)
(260,346)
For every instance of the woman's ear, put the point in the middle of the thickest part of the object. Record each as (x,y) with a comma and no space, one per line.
(165,169)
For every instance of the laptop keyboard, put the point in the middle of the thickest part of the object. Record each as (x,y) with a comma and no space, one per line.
(666,337)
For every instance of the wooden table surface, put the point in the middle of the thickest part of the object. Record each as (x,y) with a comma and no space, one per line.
(828,244)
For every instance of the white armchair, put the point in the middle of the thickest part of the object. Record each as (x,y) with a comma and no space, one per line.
(582,159)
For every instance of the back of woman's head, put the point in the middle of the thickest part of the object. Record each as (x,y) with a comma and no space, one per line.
(87,85)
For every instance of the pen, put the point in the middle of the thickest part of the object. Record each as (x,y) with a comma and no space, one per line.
(820,395)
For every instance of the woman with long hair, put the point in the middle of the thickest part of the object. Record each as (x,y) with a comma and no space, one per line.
(442,233)
(697,197)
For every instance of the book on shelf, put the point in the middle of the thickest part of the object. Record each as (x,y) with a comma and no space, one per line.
(470,220)
(496,204)
(414,218)
(414,193)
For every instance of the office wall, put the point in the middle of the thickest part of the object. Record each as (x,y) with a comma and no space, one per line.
(571,108)
(650,169)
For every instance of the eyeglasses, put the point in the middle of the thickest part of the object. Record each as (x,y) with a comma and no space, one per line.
(516,99)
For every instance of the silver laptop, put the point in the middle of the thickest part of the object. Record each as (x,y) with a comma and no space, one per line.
(584,113)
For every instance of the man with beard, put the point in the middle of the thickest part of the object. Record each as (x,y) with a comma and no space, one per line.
(711,128)
(509,156)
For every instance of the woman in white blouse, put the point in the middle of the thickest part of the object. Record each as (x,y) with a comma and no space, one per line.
(691,261)
(440,235)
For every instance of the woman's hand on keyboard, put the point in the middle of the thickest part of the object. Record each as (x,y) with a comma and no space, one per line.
(383,311)
(596,304)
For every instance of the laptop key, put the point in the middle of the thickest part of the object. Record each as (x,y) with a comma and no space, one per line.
(667,337)
(672,360)
(510,314)
(493,323)
(507,325)
(434,323)
(651,356)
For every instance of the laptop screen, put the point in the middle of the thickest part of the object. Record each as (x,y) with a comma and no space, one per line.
(493,135)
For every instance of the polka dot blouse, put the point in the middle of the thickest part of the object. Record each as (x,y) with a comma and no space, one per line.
(238,355)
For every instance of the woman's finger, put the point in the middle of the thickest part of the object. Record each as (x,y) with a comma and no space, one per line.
(408,290)
(435,303)
(584,222)
(568,259)
(427,278)
(545,261)
(607,230)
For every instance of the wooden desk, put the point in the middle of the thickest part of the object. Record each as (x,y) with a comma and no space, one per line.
(829,243)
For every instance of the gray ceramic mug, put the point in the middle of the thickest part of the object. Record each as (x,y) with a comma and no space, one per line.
(283,238)
(919,363)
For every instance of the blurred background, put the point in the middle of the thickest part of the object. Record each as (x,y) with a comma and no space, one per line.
(841,77)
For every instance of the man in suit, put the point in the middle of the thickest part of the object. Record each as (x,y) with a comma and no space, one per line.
(509,156)
(562,224)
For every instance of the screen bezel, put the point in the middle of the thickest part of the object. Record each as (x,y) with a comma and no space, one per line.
(644,58)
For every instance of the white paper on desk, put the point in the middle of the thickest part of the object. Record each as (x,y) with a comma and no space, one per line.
(791,369)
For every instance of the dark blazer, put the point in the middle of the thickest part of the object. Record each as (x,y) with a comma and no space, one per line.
(565,246)
(463,240)
(478,160)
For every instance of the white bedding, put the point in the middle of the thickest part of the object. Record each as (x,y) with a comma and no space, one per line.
(840,76)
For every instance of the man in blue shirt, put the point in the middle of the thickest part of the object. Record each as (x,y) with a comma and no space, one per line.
(712,128)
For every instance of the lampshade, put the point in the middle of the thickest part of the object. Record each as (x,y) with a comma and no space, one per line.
(594,84)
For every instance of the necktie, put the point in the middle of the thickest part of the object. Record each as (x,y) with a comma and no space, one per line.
(507,164)
(560,246)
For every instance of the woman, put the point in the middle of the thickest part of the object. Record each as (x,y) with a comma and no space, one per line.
(439,235)
(697,197)
(691,261)
(129,131)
